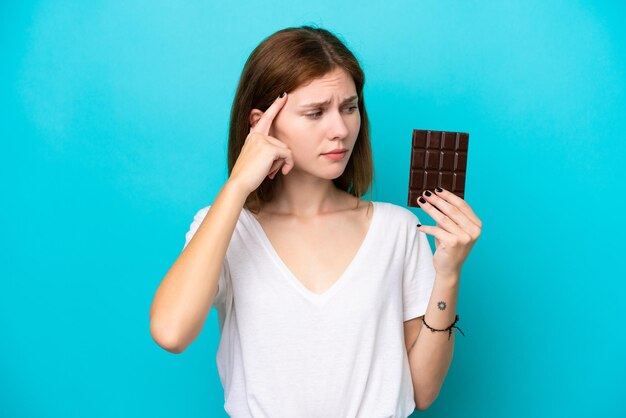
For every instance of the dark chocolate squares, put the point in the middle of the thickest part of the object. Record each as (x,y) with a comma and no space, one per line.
(438,159)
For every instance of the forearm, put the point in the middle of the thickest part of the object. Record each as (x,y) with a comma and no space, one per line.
(431,354)
(185,296)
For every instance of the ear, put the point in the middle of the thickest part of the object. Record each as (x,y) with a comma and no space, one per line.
(255,115)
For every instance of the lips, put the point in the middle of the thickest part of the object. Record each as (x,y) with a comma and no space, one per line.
(337,151)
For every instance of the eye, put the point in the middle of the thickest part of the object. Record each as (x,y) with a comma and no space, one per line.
(317,115)
(314,115)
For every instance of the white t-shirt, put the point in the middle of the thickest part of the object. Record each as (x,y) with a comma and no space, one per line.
(285,351)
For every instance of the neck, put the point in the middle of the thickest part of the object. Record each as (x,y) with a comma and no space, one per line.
(303,195)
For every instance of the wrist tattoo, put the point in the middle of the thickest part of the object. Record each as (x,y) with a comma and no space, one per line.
(441,305)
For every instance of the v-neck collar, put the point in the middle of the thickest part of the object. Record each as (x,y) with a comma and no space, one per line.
(321,298)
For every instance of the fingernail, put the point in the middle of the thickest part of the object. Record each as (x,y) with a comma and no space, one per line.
(438,189)
(427,193)
(282,94)
(422,200)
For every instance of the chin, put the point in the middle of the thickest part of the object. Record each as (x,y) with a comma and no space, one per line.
(331,175)
(327,172)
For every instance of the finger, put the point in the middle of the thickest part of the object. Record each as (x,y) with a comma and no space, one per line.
(275,167)
(265,122)
(287,166)
(440,234)
(453,213)
(287,158)
(284,159)
(443,221)
(460,204)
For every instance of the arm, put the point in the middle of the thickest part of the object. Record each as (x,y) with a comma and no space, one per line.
(456,231)
(430,353)
(185,296)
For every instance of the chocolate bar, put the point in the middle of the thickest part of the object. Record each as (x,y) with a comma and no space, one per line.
(438,159)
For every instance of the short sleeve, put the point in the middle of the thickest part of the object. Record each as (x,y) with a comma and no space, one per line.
(222,285)
(419,272)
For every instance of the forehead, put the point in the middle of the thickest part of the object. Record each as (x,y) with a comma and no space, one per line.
(337,82)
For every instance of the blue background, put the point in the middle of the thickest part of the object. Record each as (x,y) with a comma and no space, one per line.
(114,118)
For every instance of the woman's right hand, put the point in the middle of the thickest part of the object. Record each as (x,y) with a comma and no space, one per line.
(262,155)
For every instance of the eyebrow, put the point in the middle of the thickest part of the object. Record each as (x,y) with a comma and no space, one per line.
(327,102)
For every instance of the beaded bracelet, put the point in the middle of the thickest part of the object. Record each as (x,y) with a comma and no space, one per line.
(449,329)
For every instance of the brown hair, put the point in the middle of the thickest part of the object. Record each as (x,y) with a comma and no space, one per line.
(282,62)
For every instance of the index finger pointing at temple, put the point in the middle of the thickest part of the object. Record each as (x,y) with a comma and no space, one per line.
(265,122)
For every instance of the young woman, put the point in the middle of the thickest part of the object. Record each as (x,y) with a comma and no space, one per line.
(322,297)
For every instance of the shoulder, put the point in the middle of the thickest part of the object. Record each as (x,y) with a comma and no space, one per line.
(397,213)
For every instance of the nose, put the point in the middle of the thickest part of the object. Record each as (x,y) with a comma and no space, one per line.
(338,128)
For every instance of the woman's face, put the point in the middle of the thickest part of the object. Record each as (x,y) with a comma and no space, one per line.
(317,118)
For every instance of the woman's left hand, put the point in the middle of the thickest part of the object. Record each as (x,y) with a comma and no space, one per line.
(456,231)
